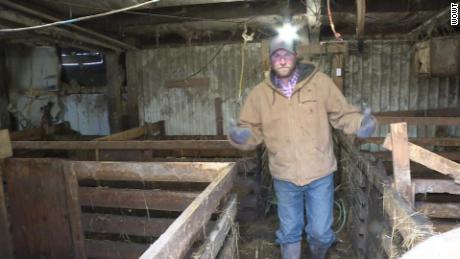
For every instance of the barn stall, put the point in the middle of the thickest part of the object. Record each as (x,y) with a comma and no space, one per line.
(159,83)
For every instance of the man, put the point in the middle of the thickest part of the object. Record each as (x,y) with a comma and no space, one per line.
(291,111)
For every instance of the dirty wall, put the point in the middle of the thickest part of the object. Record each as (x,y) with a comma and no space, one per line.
(379,75)
(33,75)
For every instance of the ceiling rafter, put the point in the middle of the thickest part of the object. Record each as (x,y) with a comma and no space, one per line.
(81,34)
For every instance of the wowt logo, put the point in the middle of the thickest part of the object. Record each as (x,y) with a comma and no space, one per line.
(453,14)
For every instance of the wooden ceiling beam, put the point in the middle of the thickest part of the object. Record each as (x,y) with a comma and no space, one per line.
(441,18)
(42,16)
(55,32)
(171,3)
(265,22)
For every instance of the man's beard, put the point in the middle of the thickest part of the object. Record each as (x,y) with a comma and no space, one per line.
(284,72)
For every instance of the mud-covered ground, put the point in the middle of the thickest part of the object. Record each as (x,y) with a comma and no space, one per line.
(257,241)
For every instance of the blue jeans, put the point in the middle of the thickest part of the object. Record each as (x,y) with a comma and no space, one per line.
(316,201)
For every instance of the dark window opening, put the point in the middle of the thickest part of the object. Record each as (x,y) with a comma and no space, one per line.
(83,67)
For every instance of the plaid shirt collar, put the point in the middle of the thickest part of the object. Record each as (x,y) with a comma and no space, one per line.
(288,88)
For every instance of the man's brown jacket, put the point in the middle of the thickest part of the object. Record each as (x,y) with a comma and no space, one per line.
(297,130)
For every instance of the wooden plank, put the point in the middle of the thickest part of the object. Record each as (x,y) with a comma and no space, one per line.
(414,227)
(265,55)
(127,225)
(27,134)
(446,210)
(443,225)
(191,82)
(61,34)
(315,49)
(375,172)
(201,153)
(219,116)
(216,238)
(175,242)
(428,25)
(401,162)
(105,249)
(441,121)
(229,249)
(431,160)
(444,142)
(5,144)
(124,135)
(40,219)
(436,186)
(74,209)
(6,245)
(158,171)
(419,171)
(46,17)
(190,137)
(128,144)
(135,199)
(386,156)
(441,112)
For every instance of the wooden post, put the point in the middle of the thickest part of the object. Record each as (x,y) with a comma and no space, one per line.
(6,248)
(401,162)
(73,206)
(264,49)
(45,219)
(134,81)
(5,144)
(219,116)
(115,75)
(440,162)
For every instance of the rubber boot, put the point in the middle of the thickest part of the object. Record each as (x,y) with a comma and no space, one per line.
(290,251)
(318,252)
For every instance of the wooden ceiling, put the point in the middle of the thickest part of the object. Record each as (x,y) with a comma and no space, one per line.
(201,21)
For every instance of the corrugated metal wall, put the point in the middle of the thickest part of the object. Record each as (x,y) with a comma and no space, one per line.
(380,77)
(191,110)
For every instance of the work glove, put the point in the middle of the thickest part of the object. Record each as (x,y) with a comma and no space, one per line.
(237,134)
(368,125)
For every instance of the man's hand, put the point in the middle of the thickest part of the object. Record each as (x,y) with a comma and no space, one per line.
(368,125)
(237,134)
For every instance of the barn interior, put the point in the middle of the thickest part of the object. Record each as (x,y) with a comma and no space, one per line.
(114,119)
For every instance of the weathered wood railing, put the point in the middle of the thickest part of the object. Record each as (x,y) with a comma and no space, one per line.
(76,209)
(406,221)
(380,219)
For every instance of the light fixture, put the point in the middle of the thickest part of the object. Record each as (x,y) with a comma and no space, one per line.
(288,32)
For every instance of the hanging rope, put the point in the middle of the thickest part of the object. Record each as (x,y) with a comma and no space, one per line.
(337,35)
(246,37)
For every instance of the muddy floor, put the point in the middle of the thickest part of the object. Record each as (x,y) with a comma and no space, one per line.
(257,241)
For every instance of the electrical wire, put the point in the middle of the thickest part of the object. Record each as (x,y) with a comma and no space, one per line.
(209,62)
(165,15)
(342,219)
(77,19)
